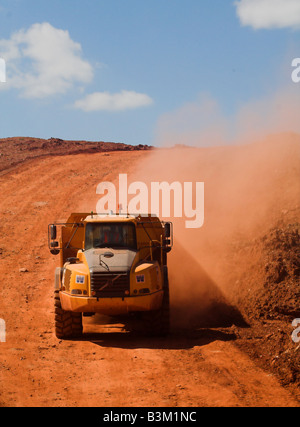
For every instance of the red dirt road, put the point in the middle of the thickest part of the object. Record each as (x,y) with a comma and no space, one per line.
(109,367)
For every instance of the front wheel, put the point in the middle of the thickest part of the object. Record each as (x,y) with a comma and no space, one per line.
(67,323)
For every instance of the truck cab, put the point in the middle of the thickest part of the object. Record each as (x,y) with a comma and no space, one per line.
(113,265)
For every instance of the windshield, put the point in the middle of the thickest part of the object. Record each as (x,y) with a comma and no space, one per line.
(110,235)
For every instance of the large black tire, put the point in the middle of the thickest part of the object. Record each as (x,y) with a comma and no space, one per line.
(157,323)
(67,323)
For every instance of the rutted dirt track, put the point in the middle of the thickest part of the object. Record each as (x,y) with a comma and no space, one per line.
(109,367)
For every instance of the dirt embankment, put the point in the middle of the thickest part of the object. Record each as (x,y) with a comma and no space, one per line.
(16,150)
(234,284)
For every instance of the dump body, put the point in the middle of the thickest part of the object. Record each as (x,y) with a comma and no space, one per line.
(111,264)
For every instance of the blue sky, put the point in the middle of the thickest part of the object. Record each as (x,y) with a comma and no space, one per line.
(143,71)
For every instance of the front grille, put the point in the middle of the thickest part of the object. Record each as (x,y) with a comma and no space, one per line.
(108,285)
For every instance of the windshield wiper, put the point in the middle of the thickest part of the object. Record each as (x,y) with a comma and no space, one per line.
(101,262)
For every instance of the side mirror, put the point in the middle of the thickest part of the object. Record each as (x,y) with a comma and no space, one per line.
(53,232)
(167,242)
(168,239)
(167,230)
(53,244)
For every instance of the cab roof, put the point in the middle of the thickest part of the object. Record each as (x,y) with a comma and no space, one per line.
(91,217)
(110,218)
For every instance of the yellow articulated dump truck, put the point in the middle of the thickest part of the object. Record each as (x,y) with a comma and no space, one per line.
(114,265)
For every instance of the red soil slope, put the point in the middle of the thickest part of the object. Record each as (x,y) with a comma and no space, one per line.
(234,284)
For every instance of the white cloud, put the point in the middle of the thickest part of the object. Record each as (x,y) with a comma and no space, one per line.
(269,13)
(43,61)
(105,101)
